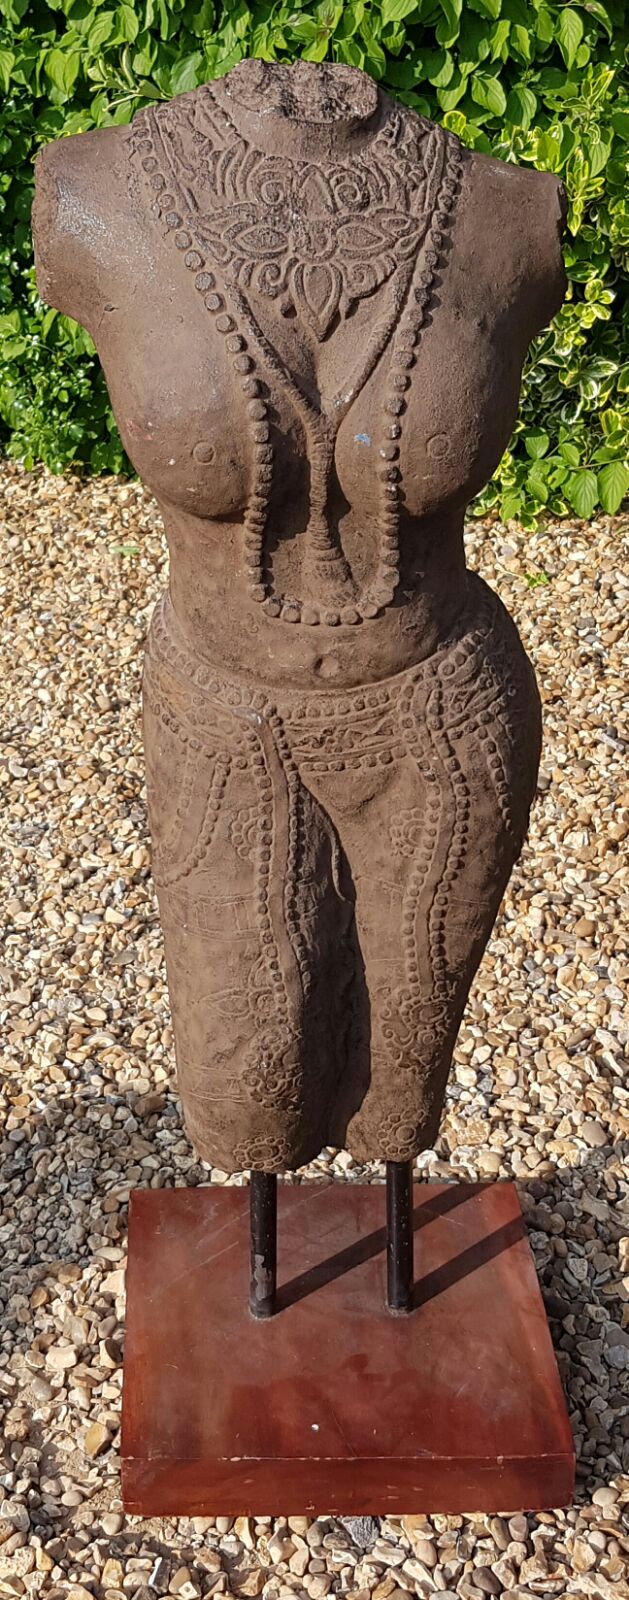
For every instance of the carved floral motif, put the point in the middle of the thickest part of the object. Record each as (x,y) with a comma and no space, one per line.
(406,828)
(242,832)
(315,239)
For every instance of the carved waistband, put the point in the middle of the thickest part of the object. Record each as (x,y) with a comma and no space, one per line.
(482,615)
(323,723)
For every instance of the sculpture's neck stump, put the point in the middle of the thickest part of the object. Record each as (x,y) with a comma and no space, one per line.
(302,110)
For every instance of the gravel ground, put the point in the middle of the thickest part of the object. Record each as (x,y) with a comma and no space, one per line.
(90,1109)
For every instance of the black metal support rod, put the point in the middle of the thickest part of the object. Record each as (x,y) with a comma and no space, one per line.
(263,1202)
(399,1235)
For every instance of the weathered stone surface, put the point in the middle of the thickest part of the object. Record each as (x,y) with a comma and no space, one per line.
(328,686)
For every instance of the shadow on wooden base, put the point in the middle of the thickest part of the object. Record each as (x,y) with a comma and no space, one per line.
(334,1405)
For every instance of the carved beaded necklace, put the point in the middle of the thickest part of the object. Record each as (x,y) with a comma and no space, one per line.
(316,240)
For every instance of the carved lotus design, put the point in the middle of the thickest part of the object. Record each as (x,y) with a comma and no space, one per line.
(317,240)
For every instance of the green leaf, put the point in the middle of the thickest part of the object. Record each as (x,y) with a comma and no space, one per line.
(13,11)
(439,68)
(62,67)
(349,51)
(548,153)
(164,15)
(304,28)
(397,10)
(486,8)
(582,492)
(611,421)
(473,43)
(100,31)
(537,482)
(596,9)
(187,73)
(375,59)
(11,348)
(620,123)
(511,506)
(522,42)
(456,122)
(597,154)
(10,323)
(329,13)
(518,12)
(521,106)
(613,485)
(7,62)
(350,21)
(449,98)
(498,37)
(128,24)
(569,33)
(145,56)
(405,74)
(536,443)
(317,51)
(569,453)
(545,29)
(48,321)
(448,29)
(489,93)
(203,20)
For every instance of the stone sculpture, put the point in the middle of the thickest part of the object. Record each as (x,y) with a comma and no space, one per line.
(313,307)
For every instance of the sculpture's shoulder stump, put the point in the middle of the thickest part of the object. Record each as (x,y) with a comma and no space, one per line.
(509,232)
(86,224)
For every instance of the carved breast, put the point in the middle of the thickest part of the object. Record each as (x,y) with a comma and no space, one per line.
(174,423)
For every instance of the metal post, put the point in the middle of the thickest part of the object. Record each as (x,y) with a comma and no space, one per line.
(263,1202)
(399,1235)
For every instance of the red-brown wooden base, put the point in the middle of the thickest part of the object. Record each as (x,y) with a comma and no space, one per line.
(334,1405)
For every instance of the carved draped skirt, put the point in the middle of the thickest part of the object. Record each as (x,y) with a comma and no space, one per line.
(329,866)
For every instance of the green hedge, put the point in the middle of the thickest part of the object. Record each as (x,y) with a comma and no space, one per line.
(529,80)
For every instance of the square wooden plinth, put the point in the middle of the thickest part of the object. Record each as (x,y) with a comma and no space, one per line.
(335,1406)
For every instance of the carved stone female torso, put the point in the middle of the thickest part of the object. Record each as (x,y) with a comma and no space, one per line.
(313,307)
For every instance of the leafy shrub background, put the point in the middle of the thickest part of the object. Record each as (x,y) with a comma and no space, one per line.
(527,80)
